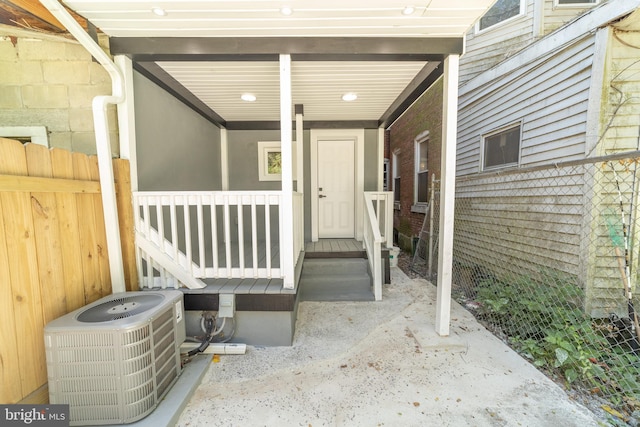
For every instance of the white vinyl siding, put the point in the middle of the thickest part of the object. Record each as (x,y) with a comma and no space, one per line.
(486,48)
(520,201)
(557,14)
(623,132)
(550,95)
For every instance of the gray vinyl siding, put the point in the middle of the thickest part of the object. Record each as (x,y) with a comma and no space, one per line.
(549,96)
(487,48)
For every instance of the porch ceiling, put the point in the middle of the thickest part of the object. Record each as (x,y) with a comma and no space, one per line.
(208,53)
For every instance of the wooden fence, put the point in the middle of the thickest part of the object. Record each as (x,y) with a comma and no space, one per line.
(53,253)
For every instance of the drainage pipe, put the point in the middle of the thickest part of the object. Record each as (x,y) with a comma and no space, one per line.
(103,142)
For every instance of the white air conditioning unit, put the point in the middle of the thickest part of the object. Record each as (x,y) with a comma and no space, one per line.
(113,360)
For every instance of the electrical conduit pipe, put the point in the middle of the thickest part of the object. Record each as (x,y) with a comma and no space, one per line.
(103,142)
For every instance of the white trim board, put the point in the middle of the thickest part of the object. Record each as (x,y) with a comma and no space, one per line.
(336,134)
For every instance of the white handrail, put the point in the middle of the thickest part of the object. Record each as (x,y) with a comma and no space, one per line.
(171,220)
(377,230)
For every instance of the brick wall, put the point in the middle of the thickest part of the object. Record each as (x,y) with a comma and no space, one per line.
(425,114)
(51,81)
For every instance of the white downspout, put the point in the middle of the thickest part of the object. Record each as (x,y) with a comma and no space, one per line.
(103,142)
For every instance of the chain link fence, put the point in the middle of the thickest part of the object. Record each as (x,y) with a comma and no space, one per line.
(547,259)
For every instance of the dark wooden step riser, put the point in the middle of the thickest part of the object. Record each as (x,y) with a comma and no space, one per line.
(316,255)
(244,302)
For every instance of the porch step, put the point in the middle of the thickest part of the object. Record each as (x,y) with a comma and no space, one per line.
(334,266)
(335,279)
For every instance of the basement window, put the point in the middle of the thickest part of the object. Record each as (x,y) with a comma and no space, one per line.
(26,134)
(501,148)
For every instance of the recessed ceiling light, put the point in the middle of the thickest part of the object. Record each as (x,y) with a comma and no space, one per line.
(408,10)
(286,11)
(349,97)
(249,97)
(159,11)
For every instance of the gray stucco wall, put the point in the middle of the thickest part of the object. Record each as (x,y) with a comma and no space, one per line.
(371,160)
(177,149)
(243,159)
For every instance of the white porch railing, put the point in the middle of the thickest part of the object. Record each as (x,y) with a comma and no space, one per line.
(185,236)
(378,226)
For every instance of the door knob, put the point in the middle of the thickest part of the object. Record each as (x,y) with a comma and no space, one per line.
(321,196)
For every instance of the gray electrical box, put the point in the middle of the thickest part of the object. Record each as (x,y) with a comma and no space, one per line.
(227,305)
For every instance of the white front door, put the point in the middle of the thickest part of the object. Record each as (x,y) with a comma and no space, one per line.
(336,188)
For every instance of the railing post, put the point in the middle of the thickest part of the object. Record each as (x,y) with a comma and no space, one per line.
(286,208)
(447,195)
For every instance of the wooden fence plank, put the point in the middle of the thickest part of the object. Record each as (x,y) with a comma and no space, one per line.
(53,255)
(46,185)
(100,231)
(124,197)
(47,236)
(10,392)
(62,167)
(27,302)
(87,227)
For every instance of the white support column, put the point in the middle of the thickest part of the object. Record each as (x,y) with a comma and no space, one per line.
(380,159)
(286,208)
(299,149)
(447,193)
(127,119)
(224,159)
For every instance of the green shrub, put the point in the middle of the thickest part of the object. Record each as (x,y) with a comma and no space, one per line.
(543,319)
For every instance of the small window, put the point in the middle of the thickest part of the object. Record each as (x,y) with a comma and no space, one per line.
(25,134)
(385,175)
(396,179)
(502,148)
(422,172)
(270,160)
(500,12)
(576,2)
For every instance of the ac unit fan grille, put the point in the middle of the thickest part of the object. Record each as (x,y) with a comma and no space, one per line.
(120,308)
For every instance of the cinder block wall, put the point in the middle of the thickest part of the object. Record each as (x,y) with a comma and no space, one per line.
(51,81)
(424,114)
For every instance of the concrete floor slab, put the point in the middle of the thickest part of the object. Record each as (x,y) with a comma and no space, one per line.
(382,364)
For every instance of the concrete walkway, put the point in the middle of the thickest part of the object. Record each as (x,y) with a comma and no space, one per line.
(382,364)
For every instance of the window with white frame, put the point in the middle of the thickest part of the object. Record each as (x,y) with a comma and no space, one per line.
(501,11)
(501,148)
(422,173)
(385,175)
(396,178)
(24,134)
(576,2)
